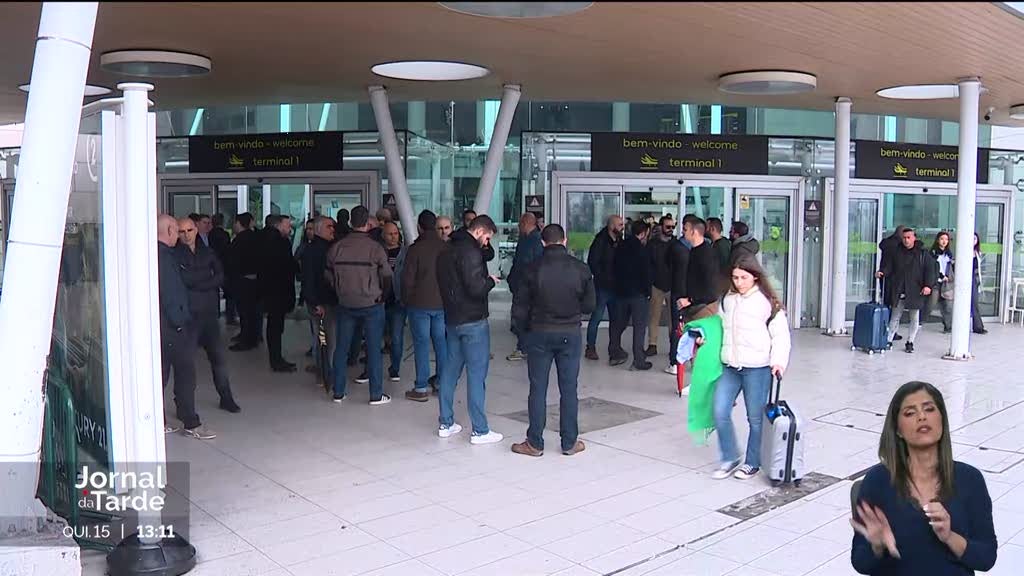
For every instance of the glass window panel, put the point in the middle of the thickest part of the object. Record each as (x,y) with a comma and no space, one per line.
(768,220)
(862,253)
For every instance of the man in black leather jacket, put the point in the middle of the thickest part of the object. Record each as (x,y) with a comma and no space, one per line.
(464,283)
(203,275)
(244,257)
(601,258)
(277,283)
(553,294)
(633,277)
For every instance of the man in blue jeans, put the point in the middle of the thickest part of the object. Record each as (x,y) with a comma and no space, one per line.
(421,295)
(464,283)
(394,309)
(554,293)
(601,259)
(528,249)
(357,266)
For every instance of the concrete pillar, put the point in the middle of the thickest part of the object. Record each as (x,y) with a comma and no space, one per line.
(52,118)
(620,116)
(496,150)
(966,197)
(393,159)
(840,218)
(417,122)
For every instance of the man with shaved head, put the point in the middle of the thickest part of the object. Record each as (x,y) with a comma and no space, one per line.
(444,227)
(528,249)
(175,332)
(203,275)
(601,259)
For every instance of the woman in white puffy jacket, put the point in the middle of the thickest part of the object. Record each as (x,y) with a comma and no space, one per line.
(755,346)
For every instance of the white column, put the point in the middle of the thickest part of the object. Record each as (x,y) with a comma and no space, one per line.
(52,118)
(393,159)
(496,151)
(966,196)
(139,286)
(840,218)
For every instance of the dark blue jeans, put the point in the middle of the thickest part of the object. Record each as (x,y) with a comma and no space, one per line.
(469,347)
(755,383)
(395,314)
(605,298)
(562,348)
(372,318)
(427,327)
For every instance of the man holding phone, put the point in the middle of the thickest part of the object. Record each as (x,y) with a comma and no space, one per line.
(464,283)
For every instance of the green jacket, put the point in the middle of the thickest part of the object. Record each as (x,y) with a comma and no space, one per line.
(707,368)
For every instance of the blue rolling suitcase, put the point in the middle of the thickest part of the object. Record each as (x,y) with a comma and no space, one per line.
(870,327)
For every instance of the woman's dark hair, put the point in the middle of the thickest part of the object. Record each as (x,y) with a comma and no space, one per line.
(751,266)
(977,242)
(893,450)
(935,244)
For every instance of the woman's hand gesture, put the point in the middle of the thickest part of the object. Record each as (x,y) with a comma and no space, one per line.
(874,527)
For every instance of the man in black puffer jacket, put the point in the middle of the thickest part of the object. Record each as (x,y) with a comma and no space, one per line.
(601,259)
(464,283)
(553,294)
(203,275)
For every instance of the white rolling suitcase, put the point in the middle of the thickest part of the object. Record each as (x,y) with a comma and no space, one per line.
(782,446)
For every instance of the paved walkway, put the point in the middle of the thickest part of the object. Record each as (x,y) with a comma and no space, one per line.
(297,485)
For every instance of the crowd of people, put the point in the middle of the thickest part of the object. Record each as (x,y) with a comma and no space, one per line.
(918,280)
(364,284)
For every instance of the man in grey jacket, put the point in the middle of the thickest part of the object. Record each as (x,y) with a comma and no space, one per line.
(358,270)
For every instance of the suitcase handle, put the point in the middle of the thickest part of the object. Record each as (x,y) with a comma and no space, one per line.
(778,389)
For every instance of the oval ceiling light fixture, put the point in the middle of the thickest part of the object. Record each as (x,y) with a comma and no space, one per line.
(1017,111)
(155,63)
(767,82)
(90,90)
(430,70)
(920,92)
(517,9)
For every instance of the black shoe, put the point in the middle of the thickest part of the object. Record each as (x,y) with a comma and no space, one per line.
(433,384)
(897,337)
(394,375)
(652,350)
(362,378)
(229,405)
(982,331)
(617,359)
(909,347)
(947,330)
(282,366)
(645,365)
(239,347)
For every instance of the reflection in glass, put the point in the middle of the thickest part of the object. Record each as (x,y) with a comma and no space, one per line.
(651,203)
(768,219)
(586,214)
(328,202)
(185,203)
(862,253)
(291,200)
(706,202)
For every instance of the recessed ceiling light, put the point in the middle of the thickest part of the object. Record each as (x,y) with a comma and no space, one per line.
(155,63)
(921,92)
(767,82)
(517,9)
(90,90)
(1017,111)
(430,70)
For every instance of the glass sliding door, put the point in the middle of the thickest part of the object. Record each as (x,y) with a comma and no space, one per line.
(769,216)
(650,203)
(862,252)
(327,199)
(989,219)
(184,200)
(586,213)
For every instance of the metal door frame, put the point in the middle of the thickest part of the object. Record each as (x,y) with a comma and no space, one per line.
(368,181)
(563,182)
(877,189)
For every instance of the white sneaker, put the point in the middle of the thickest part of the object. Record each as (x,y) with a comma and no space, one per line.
(685,392)
(449,431)
(491,437)
(671,369)
(384,399)
(746,472)
(725,470)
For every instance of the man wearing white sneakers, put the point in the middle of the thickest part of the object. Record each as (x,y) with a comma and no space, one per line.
(464,283)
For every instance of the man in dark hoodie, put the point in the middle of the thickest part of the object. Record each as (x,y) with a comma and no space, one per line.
(632,290)
(910,273)
(601,259)
(743,242)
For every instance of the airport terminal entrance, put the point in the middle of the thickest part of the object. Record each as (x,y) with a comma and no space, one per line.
(771,206)
(297,194)
(878,206)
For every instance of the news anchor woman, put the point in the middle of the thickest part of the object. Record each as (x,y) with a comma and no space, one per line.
(919,512)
